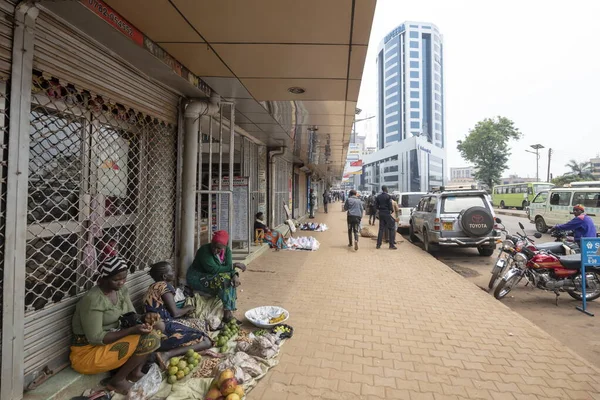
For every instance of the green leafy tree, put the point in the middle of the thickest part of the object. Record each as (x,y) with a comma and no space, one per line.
(486,146)
(582,171)
(578,172)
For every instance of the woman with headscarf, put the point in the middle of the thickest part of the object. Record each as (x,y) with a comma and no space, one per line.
(101,342)
(214,273)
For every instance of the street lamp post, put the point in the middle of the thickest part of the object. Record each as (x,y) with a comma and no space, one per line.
(537,148)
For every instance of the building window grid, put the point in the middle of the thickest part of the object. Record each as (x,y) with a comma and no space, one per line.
(391,85)
(391,67)
(389,49)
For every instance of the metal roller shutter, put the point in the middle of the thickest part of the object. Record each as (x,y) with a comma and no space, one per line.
(61,50)
(102,173)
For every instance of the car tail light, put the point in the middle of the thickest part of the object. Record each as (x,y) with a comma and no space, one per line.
(436,224)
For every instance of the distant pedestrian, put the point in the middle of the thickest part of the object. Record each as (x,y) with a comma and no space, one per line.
(325,200)
(312,202)
(385,209)
(354,208)
(371,208)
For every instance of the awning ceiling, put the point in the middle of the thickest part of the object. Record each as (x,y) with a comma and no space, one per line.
(252,52)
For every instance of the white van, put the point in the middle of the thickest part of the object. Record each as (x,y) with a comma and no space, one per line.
(555,206)
(406,202)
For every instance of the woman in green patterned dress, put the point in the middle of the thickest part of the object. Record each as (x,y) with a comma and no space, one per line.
(213,273)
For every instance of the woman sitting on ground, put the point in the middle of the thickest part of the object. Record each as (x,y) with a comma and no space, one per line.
(273,238)
(213,273)
(160,299)
(100,343)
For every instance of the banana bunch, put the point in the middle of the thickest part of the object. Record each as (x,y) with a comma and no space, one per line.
(277,319)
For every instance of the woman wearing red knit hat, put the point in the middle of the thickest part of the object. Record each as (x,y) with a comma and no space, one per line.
(214,273)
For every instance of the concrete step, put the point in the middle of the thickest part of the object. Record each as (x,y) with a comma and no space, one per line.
(64,385)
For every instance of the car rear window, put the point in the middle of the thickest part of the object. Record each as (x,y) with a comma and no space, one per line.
(410,200)
(455,204)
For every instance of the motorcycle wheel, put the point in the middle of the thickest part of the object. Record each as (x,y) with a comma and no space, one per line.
(591,294)
(495,275)
(505,286)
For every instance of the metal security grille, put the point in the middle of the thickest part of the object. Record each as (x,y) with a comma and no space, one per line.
(101,182)
(282,190)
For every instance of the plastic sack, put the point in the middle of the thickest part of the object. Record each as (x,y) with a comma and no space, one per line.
(148,386)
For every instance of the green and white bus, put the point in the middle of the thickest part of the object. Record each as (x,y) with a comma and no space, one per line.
(517,195)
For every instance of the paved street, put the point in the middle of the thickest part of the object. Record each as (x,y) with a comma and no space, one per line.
(379,324)
(572,328)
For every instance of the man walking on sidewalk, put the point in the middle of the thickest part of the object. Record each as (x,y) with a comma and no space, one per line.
(325,200)
(312,202)
(354,208)
(386,221)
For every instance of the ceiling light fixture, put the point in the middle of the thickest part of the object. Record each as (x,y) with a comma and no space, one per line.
(296,90)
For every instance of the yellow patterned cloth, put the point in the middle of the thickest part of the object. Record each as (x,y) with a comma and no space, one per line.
(91,359)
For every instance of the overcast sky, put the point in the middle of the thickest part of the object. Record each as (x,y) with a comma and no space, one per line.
(534,62)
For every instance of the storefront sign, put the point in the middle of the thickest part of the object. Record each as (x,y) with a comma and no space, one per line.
(109,15)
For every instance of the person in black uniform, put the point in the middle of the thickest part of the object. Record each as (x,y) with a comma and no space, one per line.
(383,202)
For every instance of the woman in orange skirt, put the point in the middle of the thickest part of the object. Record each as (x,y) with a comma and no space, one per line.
(100,342)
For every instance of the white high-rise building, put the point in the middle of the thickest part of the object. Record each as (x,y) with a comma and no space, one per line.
(410,96)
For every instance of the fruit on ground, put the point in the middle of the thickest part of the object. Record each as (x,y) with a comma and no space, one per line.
(190,360)
(196,356)
(173,370)
(233,396)
(172,379)
(239,390)
(182,364)
(180,375)
(190,353)
(174,361)
(228,386)
(186,370)
(226,374)
(214,385)
(213,394)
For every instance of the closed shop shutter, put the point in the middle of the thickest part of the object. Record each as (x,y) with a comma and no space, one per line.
(61,50)
(102,173)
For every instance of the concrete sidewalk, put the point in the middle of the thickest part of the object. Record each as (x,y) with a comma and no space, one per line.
(381,324)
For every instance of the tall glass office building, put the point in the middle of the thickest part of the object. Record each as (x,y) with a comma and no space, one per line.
(410,105)
(410,84)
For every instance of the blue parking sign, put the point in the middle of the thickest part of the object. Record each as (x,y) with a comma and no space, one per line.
(590,257)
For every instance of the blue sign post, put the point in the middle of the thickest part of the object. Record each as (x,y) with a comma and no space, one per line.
(590,256)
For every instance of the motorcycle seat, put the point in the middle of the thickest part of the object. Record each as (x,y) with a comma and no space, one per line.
(553,247)
(572,261)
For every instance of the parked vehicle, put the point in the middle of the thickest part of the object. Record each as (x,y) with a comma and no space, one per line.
(407,202)
(518,195)
(457,218)
(548,271)
(555,206)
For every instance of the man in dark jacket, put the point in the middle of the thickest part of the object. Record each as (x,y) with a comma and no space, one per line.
(383,203)
(325,200)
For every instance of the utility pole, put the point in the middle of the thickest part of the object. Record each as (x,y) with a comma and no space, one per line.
(549,160)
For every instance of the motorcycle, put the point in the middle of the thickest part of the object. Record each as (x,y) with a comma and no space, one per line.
(510,246)
(550,272)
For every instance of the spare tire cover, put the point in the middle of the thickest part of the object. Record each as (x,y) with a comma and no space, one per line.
(476,221)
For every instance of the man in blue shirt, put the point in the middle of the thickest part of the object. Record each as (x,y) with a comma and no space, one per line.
(582,225)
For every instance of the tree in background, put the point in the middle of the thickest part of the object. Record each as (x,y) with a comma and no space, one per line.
(486,146)
(579,172)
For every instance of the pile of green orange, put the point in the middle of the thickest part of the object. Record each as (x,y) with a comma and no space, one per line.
(180,367)
(229,331)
